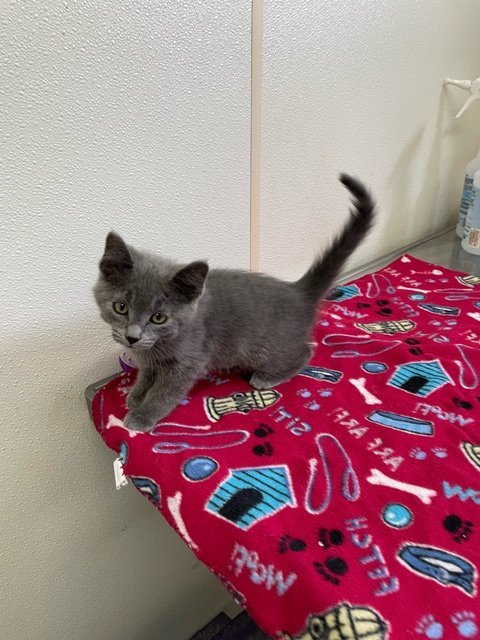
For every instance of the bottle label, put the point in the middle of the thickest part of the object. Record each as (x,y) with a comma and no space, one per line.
(466,198)
(472,222)
(474,238)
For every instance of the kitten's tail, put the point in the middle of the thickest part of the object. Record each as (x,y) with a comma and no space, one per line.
(321,275)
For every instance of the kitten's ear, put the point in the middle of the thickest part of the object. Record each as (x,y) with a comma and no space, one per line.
(188,282)
(117,260)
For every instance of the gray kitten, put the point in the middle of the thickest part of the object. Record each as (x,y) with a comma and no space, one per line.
(182,324)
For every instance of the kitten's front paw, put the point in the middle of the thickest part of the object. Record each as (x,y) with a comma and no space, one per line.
(135,421)
(134,400)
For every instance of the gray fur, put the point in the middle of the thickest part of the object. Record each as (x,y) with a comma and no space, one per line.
(217,320)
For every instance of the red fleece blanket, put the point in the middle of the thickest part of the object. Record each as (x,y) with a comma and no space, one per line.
(345,503)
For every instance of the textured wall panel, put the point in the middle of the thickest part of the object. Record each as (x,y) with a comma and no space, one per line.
(357,87)
(124,115)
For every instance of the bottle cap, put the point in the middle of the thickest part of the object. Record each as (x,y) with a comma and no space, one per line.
(473,86)
(476,179)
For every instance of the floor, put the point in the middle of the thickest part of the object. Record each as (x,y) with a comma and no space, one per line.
(225,628)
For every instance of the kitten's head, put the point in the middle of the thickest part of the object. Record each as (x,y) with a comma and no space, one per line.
(146,299)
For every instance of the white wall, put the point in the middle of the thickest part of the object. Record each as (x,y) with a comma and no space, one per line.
(136,116)
(357,87)
(124,115)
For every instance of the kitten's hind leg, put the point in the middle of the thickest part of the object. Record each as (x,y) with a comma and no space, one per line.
(274,374)
(260,380)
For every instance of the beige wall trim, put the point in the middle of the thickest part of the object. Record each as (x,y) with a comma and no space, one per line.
(255,142)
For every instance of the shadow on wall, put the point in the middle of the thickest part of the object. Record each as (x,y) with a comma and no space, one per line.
(74,534)
(435,193)
(405,207)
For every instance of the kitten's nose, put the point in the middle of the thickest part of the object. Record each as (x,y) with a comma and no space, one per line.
(131,339)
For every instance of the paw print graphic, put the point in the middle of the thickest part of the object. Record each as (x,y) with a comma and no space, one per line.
(466,624)
(263,431)
(332,569)
(430,628)
(324,393)
(312,405)
(287,543)
(264,449)
(384,309)
(461,530)
(463,404)
(304,393)
(415,350)
(330,538)
(418,454)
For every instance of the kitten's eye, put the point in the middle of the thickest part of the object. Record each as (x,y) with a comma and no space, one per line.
(158,318)
(120,308)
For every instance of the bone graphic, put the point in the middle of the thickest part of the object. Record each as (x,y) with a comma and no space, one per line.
(411,289)
(359,384)
(376,477)
(113,421)
(174,504)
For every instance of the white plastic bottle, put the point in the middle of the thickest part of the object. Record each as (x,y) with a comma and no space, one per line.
(471,238)
(472,166)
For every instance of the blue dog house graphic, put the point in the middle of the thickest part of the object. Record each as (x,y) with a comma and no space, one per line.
(249,495)
(345,292)
(420,378)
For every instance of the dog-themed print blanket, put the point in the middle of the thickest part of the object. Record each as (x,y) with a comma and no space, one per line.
(345,503)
